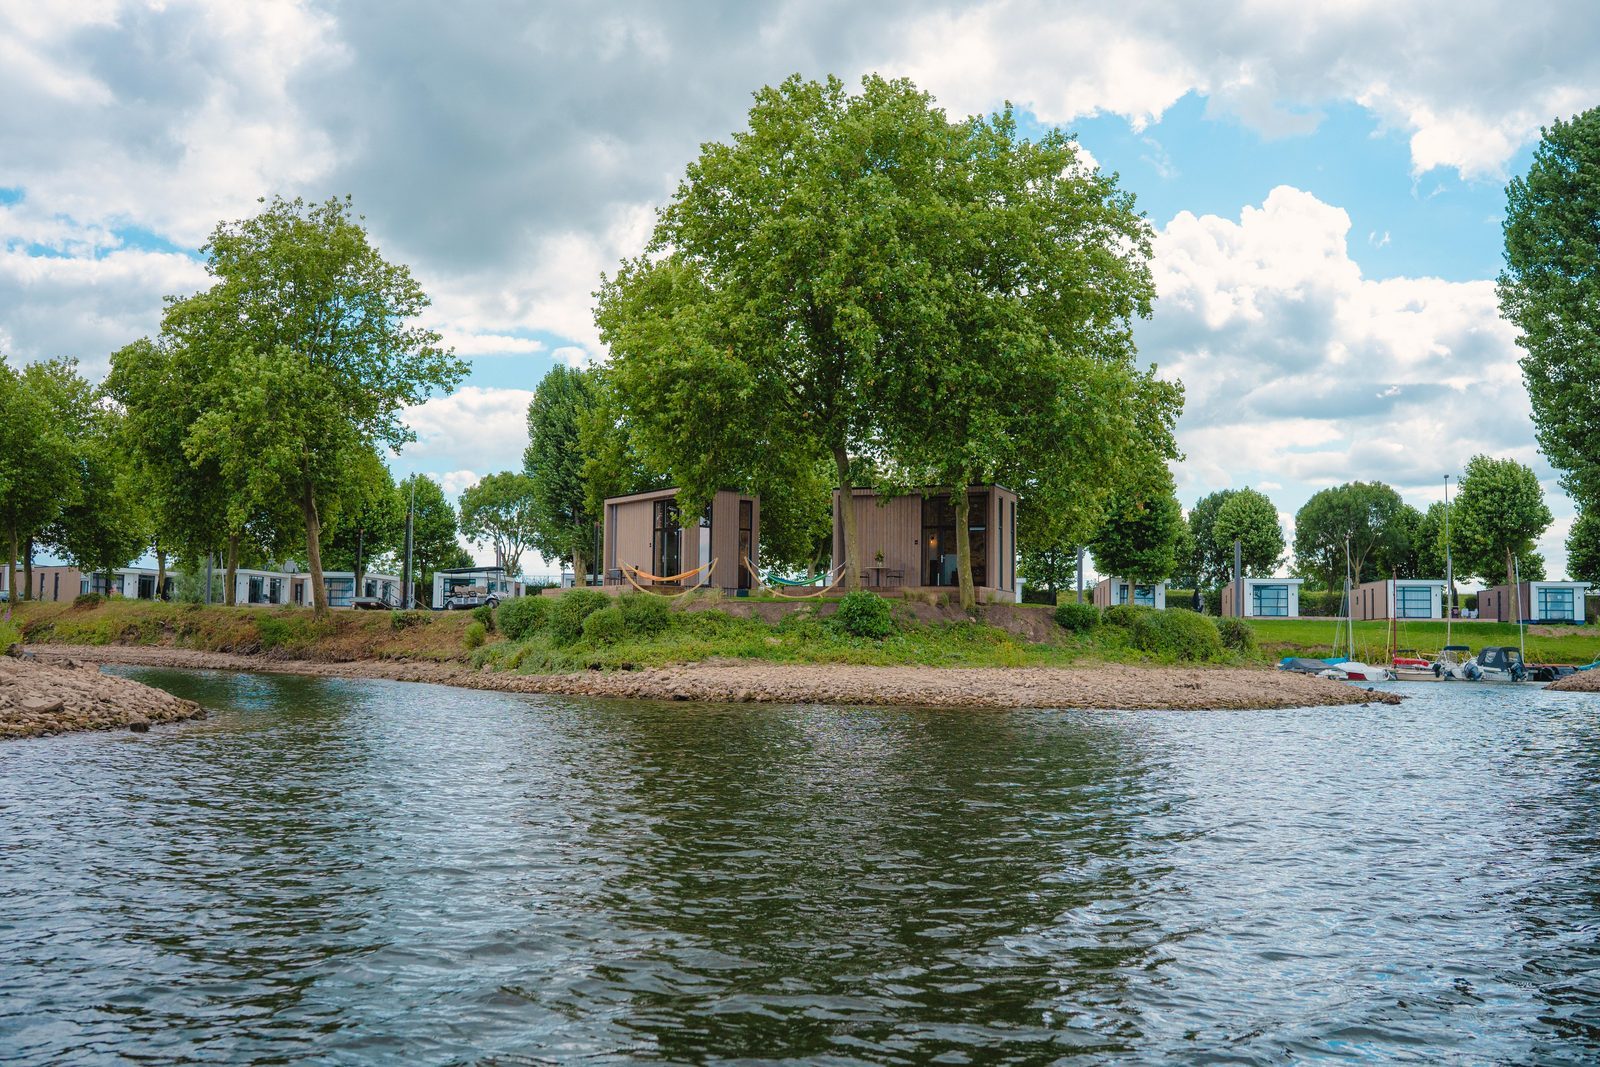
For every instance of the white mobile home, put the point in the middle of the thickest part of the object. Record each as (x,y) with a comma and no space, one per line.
(1113,591)
(1265,598)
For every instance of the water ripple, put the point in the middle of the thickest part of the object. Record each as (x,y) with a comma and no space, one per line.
(370,872)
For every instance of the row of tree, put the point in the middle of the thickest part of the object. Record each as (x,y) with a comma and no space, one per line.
(1494,521)
(1550,290)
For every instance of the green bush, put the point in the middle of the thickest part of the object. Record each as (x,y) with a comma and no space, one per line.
(569,611)
(485,614)
(1124,615)
(290,629)
(1076,617)
(86,600)
(645,615)
(864,614)
(1177,634)
(474,635)
(1237,635)
(524,615)
(10,635)
(404,620)
(605,627)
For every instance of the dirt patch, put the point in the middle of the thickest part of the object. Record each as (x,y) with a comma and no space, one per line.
(39,698)
(721,682)
(1581,682)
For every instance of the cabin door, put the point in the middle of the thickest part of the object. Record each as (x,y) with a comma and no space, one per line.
(666,539)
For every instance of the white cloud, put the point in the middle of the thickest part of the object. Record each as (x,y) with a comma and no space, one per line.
(1302,373)
(472,429)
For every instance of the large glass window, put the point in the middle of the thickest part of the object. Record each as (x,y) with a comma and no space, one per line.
(939,539)
(340,591)
(1413,602)
(666,554)
(1144,596)
(1270,601)
(1555,604)
(747,540)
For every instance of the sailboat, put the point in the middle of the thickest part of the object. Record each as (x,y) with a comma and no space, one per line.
(1350,669)
(1494,663)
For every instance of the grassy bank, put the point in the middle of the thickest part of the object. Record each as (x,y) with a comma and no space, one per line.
(546,635)
(1315,637)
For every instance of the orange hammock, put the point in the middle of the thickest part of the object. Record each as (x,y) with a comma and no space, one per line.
(832,582)
(632,574)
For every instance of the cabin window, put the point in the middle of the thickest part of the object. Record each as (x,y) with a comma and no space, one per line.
(940,561)
(340,591)
(747,541)
(1270,601)
(1413,602)
(1555,604)
(666,554)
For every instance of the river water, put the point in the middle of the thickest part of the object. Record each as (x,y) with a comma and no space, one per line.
(373,872)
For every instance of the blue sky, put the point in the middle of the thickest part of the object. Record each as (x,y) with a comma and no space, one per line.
(1325,183)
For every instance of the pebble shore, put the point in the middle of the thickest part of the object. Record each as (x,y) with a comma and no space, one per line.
(1107,686)
(39,698)
(1582,682)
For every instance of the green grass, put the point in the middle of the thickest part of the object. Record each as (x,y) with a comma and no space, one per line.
(1315,637)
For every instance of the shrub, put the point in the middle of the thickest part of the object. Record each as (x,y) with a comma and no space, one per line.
(864,614)
(485,614)
(569,611)
(404,620)
(522,616)
(1078,618)
(10,635)
(1237,635)
(1124,615)
(605,627)
(475,634)
(280,630)
(1177,634)
(86,600)
(645,615)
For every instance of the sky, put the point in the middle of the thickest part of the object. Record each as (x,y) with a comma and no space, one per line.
(1325,181)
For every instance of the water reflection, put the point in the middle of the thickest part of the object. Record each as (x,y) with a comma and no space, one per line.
(371,872)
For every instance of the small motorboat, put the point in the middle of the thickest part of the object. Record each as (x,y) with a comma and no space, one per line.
(1495,663)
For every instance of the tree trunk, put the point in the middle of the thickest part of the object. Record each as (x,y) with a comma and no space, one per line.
(1511,578)
(161,572)
(319,592)
(578,574)
(11,566)
(847,508)
(361,563)
(27,569)
(963,505)
(230,588)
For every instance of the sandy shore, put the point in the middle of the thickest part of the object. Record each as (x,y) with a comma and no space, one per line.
(39,698)
(781,683)
(1582,682)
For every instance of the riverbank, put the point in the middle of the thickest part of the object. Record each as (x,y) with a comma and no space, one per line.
(39,698)
(1106,686)
(1582,682)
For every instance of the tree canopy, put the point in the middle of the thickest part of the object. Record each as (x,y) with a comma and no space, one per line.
(1366,516)
(1583,548)
(311,336)
(1141,535)
(854,274)
(499,510)
(43,418)
(564,445)
(1498,515)
(1550,289)
(1252,519)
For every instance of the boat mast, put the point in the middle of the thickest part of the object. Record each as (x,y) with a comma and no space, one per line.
(1449,576)
(1516,595)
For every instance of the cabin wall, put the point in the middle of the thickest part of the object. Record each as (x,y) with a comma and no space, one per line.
(893,528)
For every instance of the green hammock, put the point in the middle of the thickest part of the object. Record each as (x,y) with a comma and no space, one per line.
(813,580)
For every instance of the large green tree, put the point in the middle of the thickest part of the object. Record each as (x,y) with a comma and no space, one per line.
(104,526)
(557,463)
(1583,548)
(1550,289)
(1141,535)
(1498,515)
(1250,518)
(499,510)
(320,356)
(1362,518)
(857,275)
(433,535)
(39,456)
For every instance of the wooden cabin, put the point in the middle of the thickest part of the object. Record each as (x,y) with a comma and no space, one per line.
(1265,598)
(1550,602)
(1398,598)
(909,541)
(1110,592)
(647,531)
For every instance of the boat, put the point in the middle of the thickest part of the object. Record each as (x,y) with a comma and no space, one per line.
(1350,669)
